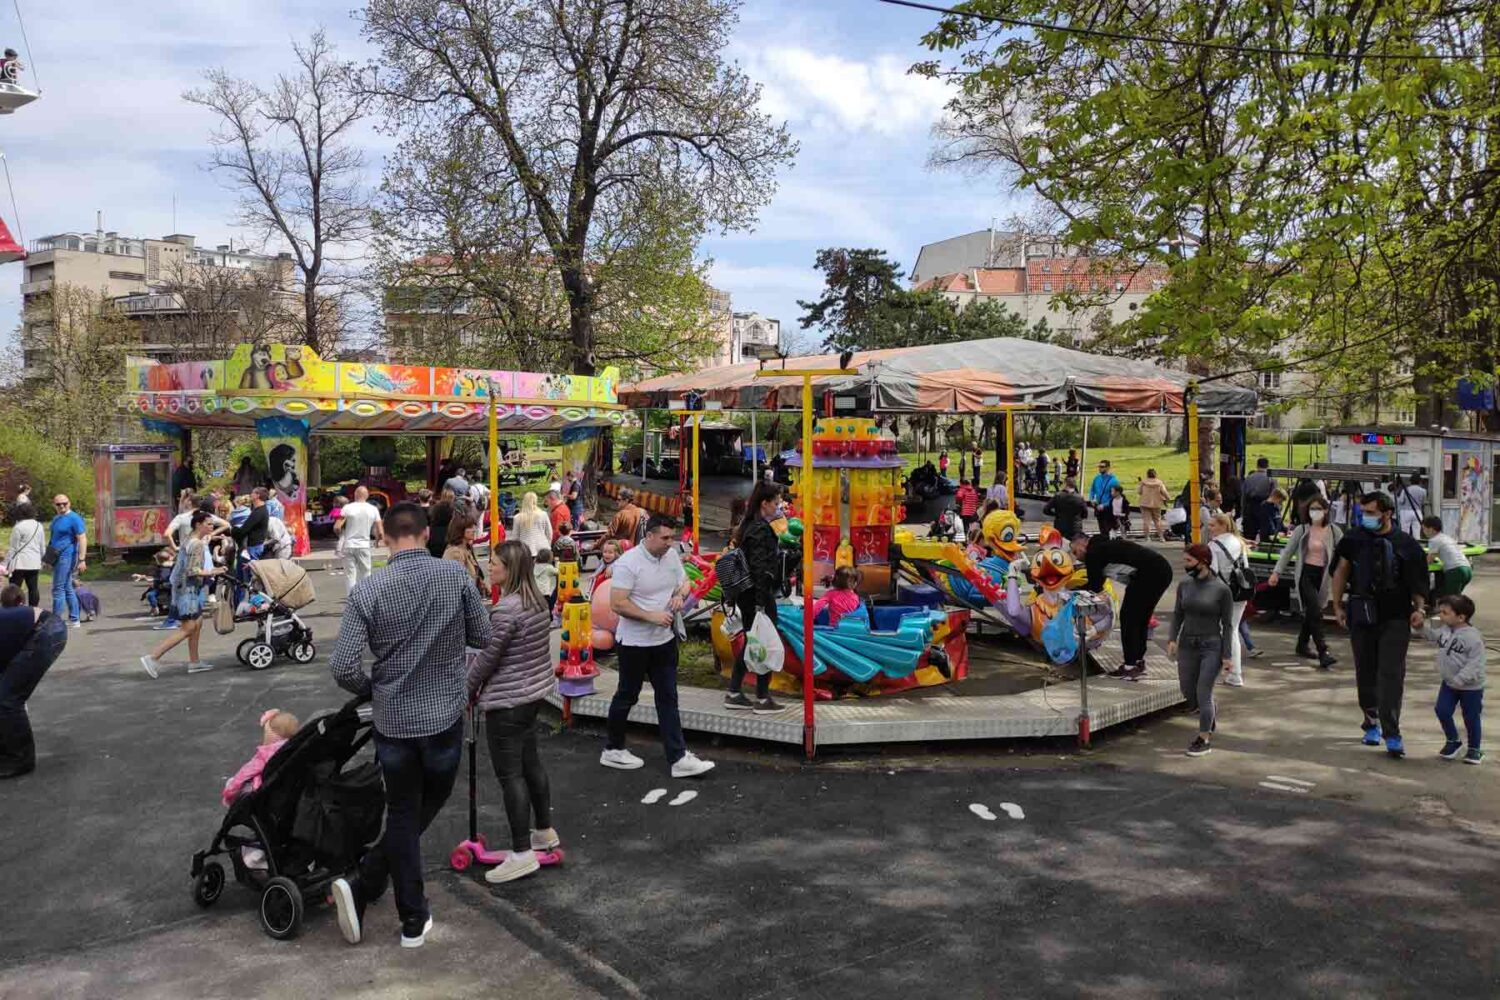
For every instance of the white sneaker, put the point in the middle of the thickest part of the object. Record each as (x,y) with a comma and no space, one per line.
(513,867)
(150,665)
(199,667)
(420,939)
(622,759)
(689,766)
(1235,680)
(545,840)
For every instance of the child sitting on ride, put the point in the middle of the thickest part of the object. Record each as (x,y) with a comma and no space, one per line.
(609,551)
(840,599)
(564,546)
(976,550)
(276,727)
(159,592)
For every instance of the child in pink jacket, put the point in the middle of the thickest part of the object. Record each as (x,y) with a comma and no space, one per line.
(842,597)
(276,727)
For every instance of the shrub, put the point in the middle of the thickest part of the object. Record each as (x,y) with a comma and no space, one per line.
(25,457)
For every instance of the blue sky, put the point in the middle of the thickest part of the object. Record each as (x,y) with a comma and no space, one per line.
(111,132)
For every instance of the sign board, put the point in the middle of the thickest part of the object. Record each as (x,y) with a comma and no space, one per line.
(1371,437)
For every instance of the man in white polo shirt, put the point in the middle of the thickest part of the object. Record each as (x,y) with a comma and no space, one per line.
(358,528)
(647,590)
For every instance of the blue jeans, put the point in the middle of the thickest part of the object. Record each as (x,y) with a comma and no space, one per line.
(419,774)
(64,597)
(1245,634)
(1472,704)
(636,663)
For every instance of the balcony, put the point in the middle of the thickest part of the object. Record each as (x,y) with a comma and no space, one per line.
(36,287)
(142,305)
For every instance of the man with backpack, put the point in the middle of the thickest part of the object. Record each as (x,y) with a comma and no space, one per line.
(1385,573)
(1150,577)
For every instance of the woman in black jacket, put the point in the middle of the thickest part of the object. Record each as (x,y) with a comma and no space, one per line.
(757,539)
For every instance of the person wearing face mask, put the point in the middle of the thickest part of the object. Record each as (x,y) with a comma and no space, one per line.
(1312,543)
(1202,630)
(1385,573)
(1226,552)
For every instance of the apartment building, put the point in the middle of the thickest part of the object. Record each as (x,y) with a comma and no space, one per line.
(169,287)
(753,335)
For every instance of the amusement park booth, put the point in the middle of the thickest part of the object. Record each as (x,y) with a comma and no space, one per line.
(1459,467)
(286,394)
(132,495)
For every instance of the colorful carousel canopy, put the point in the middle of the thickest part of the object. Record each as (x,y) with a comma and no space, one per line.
(967,377)
(337,397)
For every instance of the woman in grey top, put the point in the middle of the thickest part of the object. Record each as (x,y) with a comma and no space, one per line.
(1202,629)
(508,681)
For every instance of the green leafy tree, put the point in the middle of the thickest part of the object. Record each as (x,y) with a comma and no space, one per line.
(856,284)
(1318,179)
(598,139)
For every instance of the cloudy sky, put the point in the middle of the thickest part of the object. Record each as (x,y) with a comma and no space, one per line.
(112,134)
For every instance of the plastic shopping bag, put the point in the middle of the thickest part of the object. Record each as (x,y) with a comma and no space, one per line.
(1060,635)
(763,649)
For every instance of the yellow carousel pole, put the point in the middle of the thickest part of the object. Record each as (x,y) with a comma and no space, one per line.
(1010,459)
(809,717)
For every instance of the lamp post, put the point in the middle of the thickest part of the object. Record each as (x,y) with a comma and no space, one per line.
(809,725)
(1195,505)
(494,476)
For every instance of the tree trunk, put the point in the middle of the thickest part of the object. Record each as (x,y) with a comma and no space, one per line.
(580,318)
(310,331)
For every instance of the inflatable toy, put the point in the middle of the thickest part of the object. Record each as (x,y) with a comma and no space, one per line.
(603,620)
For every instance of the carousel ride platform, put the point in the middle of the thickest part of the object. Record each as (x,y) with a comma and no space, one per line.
(1009,700)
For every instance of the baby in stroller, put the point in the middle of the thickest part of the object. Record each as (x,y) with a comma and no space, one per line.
(276,727)
(158,592)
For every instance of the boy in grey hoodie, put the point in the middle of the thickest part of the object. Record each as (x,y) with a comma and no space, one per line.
(1461,662)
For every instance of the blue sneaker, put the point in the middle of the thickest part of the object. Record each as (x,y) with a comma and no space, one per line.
(1371,737)
(1394,746)
(1450,750)
(165,626)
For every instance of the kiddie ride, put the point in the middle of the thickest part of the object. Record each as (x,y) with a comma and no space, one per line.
(1034,599)
(851,506)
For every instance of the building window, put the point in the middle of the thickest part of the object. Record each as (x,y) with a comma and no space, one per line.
(1119,286)
(1046,286)
(127,276)
(1270,380)
(1046,267)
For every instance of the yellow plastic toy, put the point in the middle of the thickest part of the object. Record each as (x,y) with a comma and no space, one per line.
(567,582)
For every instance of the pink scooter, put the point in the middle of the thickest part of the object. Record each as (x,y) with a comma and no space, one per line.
(475,849)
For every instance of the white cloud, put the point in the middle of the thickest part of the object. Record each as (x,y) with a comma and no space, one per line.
(830,91)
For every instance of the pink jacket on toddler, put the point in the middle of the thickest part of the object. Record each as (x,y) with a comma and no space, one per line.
(250,772)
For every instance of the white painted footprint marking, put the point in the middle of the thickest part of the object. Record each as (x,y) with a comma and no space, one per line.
(982,811)
(683,798)
(653,797)
(1012,810)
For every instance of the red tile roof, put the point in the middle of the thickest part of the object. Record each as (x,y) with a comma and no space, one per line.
(1050,275)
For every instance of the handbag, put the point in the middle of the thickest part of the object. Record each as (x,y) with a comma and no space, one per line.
(1240,580)
(733,571)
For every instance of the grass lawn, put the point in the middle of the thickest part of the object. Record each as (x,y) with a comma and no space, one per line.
(1130,464)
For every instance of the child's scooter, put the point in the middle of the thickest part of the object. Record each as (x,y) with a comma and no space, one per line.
(474,849)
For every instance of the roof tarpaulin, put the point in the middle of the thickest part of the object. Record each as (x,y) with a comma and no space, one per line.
(965,377)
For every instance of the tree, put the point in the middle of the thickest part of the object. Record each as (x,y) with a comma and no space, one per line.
(289,150)
(856,283)
(1318,180)
(610,134)
(204,312)
(74,358)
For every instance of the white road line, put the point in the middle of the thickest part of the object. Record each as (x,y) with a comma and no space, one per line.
(683,798)
(1283,788)
(653,797)
(982,811)
(1012,810)
(1291,781)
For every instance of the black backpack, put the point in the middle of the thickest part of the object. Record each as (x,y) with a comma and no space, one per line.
(1241,580)
(733,571)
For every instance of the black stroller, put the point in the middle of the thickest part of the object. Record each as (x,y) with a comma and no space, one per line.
(313,816)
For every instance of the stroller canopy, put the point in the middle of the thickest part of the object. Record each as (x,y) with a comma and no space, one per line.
(284,581)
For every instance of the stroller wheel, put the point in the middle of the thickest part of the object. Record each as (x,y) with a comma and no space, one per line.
(303,652)
(260,655)
(242,651)
(281,908)
(209,884)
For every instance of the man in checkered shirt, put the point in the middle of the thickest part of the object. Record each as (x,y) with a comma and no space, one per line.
(416,616)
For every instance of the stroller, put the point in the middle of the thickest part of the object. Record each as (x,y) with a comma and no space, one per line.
(278,589)
(313,817)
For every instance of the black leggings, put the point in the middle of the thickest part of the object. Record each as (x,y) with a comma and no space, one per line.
(749,603)
(512,737)
(1309,585)
(28,578)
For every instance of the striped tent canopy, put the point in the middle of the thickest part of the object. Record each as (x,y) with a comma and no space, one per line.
(967,377)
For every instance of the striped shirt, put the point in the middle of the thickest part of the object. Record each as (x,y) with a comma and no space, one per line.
(416,616)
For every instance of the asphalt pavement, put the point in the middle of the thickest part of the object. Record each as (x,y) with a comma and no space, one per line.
(1291,862)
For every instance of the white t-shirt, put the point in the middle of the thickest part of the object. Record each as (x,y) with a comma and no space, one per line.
(1223,563)
(280,540)
(359,520)
(1447,551)
(651,583)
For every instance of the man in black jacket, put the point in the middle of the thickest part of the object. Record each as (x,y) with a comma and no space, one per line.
(250,537)
(1067,510)
(1150,580)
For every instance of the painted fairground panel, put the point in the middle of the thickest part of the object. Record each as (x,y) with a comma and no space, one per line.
(186,376)
(461,382)
(384,380)
(277,368)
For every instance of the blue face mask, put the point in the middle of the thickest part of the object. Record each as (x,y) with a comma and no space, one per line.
(1370,521)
